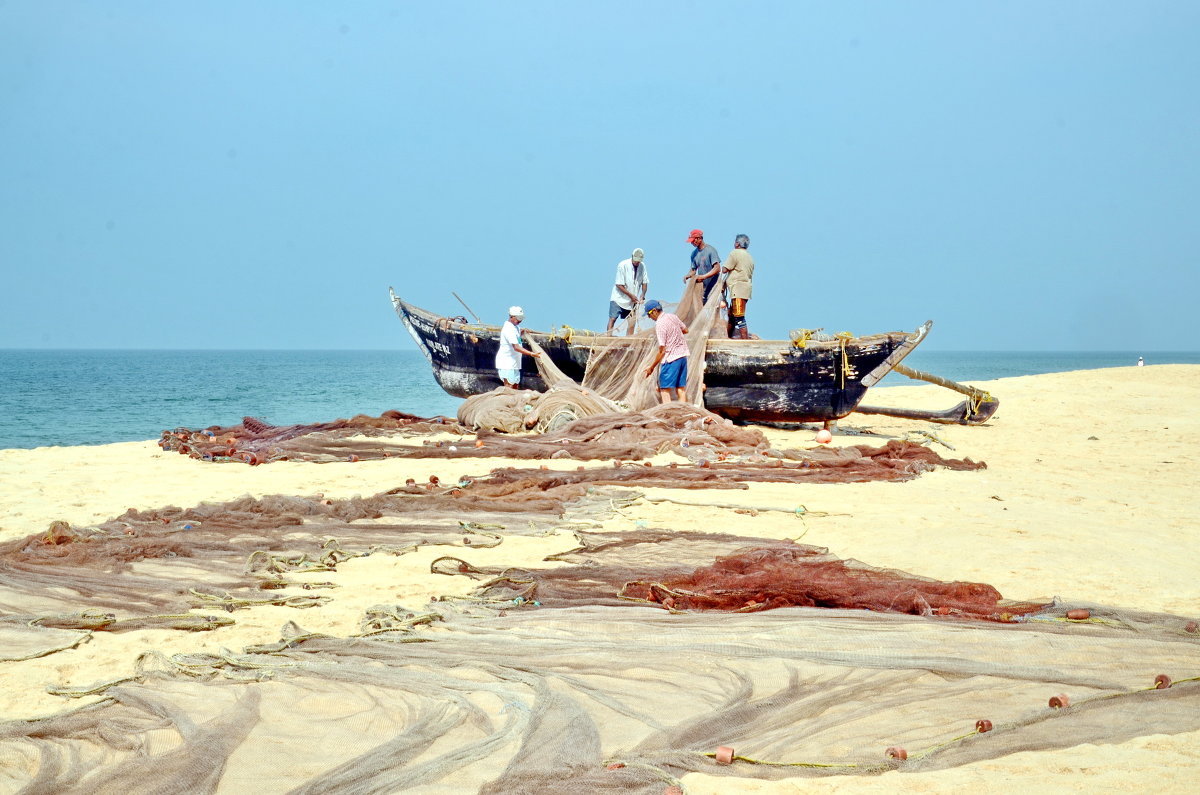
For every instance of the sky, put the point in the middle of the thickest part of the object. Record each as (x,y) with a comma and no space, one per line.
(255,175)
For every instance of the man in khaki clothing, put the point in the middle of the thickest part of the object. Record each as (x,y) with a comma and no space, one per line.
(740,267)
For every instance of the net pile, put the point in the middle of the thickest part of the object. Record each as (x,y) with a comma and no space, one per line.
(748,575)
(255,441)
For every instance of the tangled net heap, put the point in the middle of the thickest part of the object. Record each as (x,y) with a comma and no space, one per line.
(748,575)
(256,442)
(732,452)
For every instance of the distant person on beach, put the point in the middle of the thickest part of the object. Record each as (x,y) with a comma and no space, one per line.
(672,353)
(629,291)
(706,265)
(740,267)
(508,357)
(1141,362)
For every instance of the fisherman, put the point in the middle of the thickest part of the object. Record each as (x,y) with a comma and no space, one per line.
(629,291)
(706,265)
(508,356)
(740,267)
(672,352)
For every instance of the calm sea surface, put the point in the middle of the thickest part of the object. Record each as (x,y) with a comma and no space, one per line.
(97,397)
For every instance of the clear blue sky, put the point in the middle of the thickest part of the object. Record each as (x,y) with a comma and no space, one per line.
(256,174)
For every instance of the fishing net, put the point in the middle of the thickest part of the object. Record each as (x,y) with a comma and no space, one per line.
(256,441)
(748,575)
(622,664)
(617,370)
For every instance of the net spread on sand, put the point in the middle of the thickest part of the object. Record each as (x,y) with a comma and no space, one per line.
(620,665)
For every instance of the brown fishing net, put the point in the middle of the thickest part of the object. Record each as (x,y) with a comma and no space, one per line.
(620,665)
(617,371)
(256,442)
(748,575)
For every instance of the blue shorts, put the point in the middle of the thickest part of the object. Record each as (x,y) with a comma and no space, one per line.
(511,376)
(617,312)
(673,374)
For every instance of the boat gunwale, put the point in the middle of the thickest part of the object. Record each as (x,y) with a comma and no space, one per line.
(594,340)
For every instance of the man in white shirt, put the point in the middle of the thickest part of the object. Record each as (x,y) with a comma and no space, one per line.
(508,355)
(629,290)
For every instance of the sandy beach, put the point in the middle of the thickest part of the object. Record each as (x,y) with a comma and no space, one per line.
(1089,494)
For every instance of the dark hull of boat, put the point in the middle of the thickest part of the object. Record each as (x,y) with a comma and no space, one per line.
(750,380)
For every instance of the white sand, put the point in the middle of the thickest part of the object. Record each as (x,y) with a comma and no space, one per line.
(1090,494)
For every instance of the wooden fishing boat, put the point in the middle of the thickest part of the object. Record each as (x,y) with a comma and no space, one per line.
(749,380)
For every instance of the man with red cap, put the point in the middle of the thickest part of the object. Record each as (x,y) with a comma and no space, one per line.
(706,264)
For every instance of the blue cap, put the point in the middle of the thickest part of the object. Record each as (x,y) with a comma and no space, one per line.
(651,305)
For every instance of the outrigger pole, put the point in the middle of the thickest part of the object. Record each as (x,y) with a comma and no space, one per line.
(977,409)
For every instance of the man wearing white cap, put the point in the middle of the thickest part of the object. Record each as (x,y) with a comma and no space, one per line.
(629,290)
(508,356)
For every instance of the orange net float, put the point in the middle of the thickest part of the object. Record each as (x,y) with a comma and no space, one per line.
(724,755)
(1162,682)
(1060,701)
(434,479)
(251,458)
(897,752)
(1191,626)
(352,458)
(1079,614)
(983,725)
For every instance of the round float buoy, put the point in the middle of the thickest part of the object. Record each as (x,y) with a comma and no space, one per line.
(1060,701)
(352,458)
(724,755)
(896,752)
(824,436)
(983,725)
(1079,614)
(1162,682)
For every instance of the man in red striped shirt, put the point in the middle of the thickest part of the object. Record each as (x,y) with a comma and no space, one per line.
(672,352)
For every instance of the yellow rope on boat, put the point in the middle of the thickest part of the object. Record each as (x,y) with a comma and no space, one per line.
(843,338)
(800,337)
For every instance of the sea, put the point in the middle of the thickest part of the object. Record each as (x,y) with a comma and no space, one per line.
(85,397)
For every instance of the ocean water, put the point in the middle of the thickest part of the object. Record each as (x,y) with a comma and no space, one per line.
(77,397)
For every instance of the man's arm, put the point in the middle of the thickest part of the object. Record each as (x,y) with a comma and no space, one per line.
(632,297)
(716,268)
(662,349)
